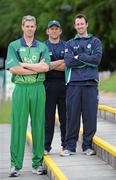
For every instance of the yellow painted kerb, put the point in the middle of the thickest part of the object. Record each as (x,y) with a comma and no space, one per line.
(50,163)
(103,144)
(107,108)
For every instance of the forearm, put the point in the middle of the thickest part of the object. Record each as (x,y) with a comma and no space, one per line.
(55,64)
(73,61)
(94,57)
(21,71)
(60,67)
(92,60)
(38,67)
(69,57)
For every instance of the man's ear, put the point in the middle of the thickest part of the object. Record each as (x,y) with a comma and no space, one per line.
(87,24)
(74,26)
(22,27)
(47,31)
(60,31)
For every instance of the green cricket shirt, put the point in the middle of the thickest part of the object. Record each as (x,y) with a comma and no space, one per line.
(18,51)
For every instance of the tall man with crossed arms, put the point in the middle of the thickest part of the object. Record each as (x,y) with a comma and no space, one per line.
(82,57)
(27,60)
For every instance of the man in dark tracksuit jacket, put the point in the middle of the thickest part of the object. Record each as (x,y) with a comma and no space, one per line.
(82,57)
(55,85)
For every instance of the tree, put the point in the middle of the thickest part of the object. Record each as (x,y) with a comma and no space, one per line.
(101,22)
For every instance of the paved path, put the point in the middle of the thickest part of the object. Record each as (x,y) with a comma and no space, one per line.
(79,166)
(106,130)
(26,173)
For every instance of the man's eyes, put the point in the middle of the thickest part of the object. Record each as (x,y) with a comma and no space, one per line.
(29,26)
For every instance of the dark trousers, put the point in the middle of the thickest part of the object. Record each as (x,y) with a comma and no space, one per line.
(81,101)
(55,96)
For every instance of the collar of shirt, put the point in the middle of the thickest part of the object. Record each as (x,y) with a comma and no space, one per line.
(77,36)
(23,42)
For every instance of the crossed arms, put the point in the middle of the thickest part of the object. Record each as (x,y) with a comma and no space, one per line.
(83,58)
(58,65)
(28,69)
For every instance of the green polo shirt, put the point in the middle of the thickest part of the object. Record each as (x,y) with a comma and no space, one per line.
(18,52)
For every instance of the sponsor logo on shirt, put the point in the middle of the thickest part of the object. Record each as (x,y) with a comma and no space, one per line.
(23,49)
(30,60)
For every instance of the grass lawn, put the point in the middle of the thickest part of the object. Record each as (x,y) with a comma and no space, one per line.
(108,85)
(5,111)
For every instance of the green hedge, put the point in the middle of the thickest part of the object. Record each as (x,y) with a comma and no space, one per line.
(108,85)
(5,107)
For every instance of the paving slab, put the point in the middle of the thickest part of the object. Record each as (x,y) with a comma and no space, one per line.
(26,173)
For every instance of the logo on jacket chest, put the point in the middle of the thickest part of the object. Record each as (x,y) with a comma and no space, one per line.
(31,59)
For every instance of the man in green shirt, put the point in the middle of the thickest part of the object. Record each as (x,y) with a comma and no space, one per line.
(27,60)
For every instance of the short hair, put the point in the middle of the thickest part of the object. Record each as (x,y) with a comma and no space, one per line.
(81,16)
(28,18)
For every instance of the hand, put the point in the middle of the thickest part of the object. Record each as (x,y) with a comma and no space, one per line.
(42,60)
(24,65)
(21,64)
(76,57)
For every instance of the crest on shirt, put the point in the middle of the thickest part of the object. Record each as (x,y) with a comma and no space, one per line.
(89,46)
(34,58)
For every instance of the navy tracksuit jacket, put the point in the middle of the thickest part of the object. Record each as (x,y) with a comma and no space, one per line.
(82,57)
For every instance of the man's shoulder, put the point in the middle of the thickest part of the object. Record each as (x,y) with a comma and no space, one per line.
(46,41)
(40,43)
(70,41)
(62,42)
(15,42)
(95,39)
